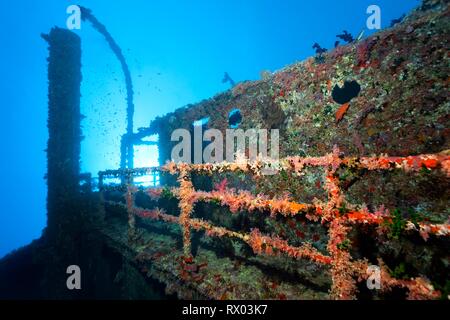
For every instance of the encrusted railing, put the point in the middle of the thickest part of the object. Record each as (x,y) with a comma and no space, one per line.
(345,272)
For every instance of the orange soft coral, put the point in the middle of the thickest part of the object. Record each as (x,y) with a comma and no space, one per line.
(345,271)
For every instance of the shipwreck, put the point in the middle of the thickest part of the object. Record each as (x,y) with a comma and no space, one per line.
(361,185)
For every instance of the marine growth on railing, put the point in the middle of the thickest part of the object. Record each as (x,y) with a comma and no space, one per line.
(345,271)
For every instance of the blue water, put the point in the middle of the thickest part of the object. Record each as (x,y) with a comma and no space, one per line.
(177,52)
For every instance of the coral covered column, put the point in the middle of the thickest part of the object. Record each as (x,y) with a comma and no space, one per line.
(63,150)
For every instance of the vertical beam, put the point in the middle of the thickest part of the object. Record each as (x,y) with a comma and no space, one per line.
(130,205)
(186,207)
(63,149)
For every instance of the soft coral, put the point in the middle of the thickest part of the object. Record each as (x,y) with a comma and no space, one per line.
(221,186)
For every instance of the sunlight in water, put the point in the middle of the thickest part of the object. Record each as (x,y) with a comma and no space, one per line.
(146,156)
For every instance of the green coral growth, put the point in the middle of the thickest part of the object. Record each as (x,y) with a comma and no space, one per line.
(343,209)
(167,193)
(397,225)
(399,272)
(416,217)
(344,245)
(443,288)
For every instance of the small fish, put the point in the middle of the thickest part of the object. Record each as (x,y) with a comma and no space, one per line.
(319,49)
(341,111)
(396,21)
(227,78)
(346,36)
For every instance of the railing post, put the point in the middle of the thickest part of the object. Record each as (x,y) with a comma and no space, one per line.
(101,193)
(186,206)
(342,269)
(130,209)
